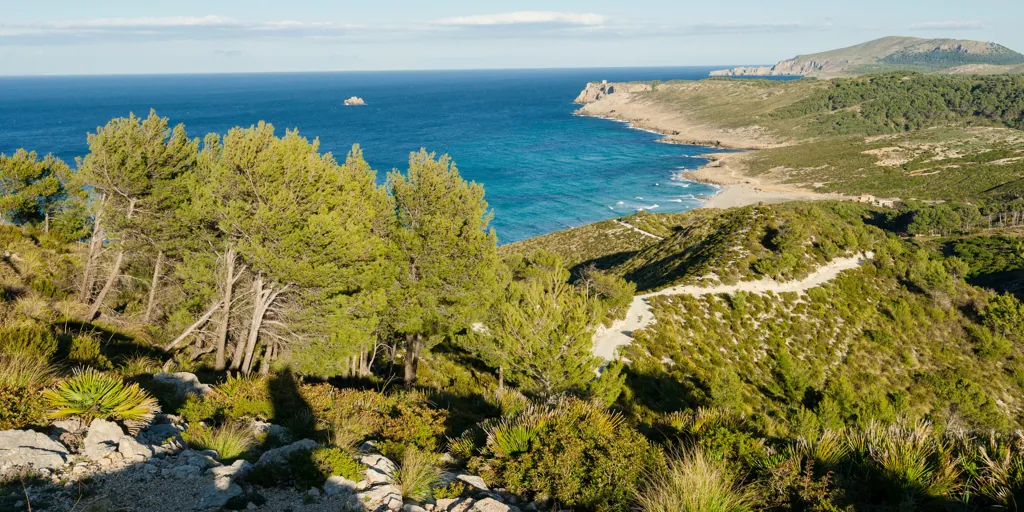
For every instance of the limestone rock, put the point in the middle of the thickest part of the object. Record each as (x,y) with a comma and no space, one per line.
(473,481)
(218,493)
(455,504)
(102,440)
(262,428)
(279,456)
(184,383)
(491,505)
(235,471)
(186,471)
(339,485)
(160,434)
(386,497)
(28,449)
(130,448)
(379,469)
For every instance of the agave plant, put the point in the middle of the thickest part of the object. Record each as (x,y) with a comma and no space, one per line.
(90,394)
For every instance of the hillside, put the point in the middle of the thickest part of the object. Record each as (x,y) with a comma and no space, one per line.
(895,135)
(890,54)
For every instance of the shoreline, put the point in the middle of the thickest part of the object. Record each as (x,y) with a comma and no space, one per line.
(724,170)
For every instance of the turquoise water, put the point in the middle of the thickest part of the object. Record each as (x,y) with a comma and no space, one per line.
(512,130)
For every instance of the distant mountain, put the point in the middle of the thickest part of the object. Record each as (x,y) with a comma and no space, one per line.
(895,53)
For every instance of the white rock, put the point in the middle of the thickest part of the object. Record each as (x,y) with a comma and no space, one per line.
(102,440)
(218,493)
(25,448)
(472,481)
(236,471)
(379,469)
(339,485)
(279,456)
(491,505)
(383,496)
(130,448)
(413,508)
(454,504)
(262,428)
(184,383)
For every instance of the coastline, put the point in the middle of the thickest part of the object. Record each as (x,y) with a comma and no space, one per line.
(725,170)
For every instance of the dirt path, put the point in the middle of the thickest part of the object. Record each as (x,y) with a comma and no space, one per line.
(638,230)
(639,316)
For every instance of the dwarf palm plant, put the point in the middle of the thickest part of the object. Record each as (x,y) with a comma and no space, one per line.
(1001,478)
(915,463)
(90,394)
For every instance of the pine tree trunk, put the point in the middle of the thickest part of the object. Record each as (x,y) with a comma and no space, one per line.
(95,246)
(202,320)
(222,329)
(364,370)
(152,287)
(264,297)
(107,286)
(268,354)
(414,343)
(112,278)
(46,222)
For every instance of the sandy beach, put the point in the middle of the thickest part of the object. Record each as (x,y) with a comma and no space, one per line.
(726,170)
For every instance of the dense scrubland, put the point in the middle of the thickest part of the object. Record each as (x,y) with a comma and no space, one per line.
(311,297)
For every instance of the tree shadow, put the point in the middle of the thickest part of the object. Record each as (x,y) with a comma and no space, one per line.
(606,262)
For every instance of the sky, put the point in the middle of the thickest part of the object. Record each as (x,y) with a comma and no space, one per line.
(63,37)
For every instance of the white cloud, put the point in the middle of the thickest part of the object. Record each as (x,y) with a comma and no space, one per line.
(527,17)
(948,25)
(170,21)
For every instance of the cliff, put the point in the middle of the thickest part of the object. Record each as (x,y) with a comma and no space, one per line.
(595,91)
(890,54)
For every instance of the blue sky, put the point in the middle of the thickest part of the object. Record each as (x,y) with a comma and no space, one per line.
(192,36)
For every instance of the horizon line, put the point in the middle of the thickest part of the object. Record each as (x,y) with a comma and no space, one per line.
(232,73)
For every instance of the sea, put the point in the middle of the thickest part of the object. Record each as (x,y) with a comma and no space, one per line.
(543,169)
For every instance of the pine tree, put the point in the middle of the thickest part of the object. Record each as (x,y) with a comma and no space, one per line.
(444,254)
(311,232)
(128,160)
(32,190)
(542,335)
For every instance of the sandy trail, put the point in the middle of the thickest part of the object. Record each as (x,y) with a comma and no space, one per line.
(608,340)
(638,230)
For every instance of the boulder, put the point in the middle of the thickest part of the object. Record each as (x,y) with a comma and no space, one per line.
(129,448)
(384,497)
(218,493)
(379,469)
(491,505)
(473,481)
(339,485)
(279,456)
(184,383)
(236,471)
(454,504)
(28,449)
(102,440)
(160,434)
(262,428)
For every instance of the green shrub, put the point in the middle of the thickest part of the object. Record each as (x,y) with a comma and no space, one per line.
(90,394)
(85,349)
(416,474)
(30,338)
(453,490)
(693,482)
(135,366)
(308,468)
(21,408)
(582,456)
(415,423)
(334,461)
(231,441)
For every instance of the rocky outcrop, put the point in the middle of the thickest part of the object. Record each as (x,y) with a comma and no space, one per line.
(183,383)
(103,439)
(355,101)
(597,90)
(279,456)
(28,450)
(791,67)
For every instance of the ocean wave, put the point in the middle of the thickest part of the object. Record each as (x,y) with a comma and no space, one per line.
(651,207)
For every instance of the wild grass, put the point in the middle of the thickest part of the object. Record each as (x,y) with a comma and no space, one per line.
(416,474)
(23,371)
(231,441)
(693,482)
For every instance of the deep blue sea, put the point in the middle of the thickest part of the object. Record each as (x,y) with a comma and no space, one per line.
(543,169)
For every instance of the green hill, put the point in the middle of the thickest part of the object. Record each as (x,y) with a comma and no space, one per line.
(890,54)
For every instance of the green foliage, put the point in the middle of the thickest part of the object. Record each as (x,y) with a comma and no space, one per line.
(29,338)
(580,455)
(940,58)
(32,191)
(85,349)
(543,331)
(417,473)
(694,482)
(231,441)
(89,395)
(905,101)
(446,261)
(453,490)
(334,461)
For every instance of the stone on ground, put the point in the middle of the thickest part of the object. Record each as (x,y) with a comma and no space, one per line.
(25,449)
(102,440)
(184,383)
